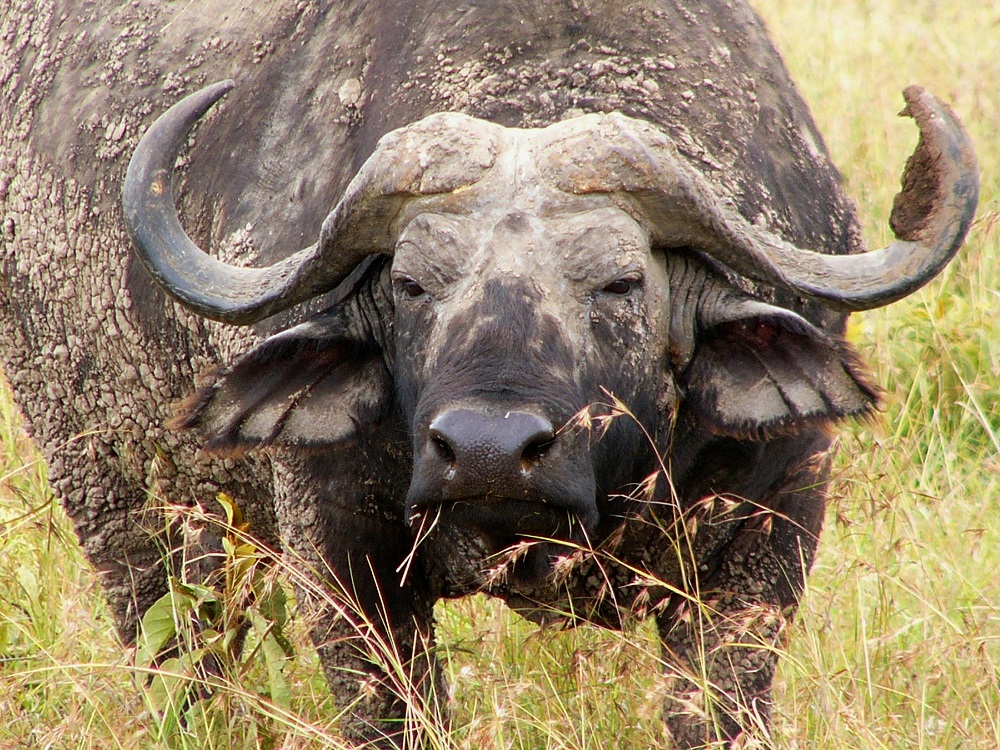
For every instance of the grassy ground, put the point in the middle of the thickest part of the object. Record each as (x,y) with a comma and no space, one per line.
(898,643)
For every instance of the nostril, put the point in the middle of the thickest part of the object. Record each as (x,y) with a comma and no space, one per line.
(535,449)
(442,447)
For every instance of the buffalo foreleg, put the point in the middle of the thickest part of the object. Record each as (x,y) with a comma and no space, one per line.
(370,620)
(722,639)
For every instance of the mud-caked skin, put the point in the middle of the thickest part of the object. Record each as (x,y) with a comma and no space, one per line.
(499,349)
(600,423)
(570,334)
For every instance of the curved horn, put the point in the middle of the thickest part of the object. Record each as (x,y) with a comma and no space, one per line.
(360,224)
(931,215)
(198,281)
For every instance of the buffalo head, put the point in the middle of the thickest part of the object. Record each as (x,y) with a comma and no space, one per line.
(532,272)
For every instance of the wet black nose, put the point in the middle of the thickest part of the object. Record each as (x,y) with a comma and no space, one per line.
(489,454)
(503,473)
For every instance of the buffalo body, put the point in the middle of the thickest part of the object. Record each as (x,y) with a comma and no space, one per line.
(548,371)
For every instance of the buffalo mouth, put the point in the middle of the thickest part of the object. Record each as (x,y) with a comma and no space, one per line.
(495,544)
(494,491)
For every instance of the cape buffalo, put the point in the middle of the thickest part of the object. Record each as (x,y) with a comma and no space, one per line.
(570,334)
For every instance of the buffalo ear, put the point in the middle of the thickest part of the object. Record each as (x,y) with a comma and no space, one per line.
(309,386)
(759,370)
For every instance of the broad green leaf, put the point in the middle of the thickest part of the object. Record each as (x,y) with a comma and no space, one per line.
(234,516)
(159,626)
(275,659)
(168,687)
(195,592)
(272,601)
(246,550)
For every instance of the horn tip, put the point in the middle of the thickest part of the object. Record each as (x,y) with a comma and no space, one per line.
(941,173)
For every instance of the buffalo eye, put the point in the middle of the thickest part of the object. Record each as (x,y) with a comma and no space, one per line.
(410,287)
(622,286)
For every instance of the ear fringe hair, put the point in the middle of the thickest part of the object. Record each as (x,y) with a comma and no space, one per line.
(188,412)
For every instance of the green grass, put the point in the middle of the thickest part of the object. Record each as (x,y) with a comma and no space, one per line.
(898,645)
(898,641)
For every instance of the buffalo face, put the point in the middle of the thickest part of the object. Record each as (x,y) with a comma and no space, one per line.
(517,312)
(534,274)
